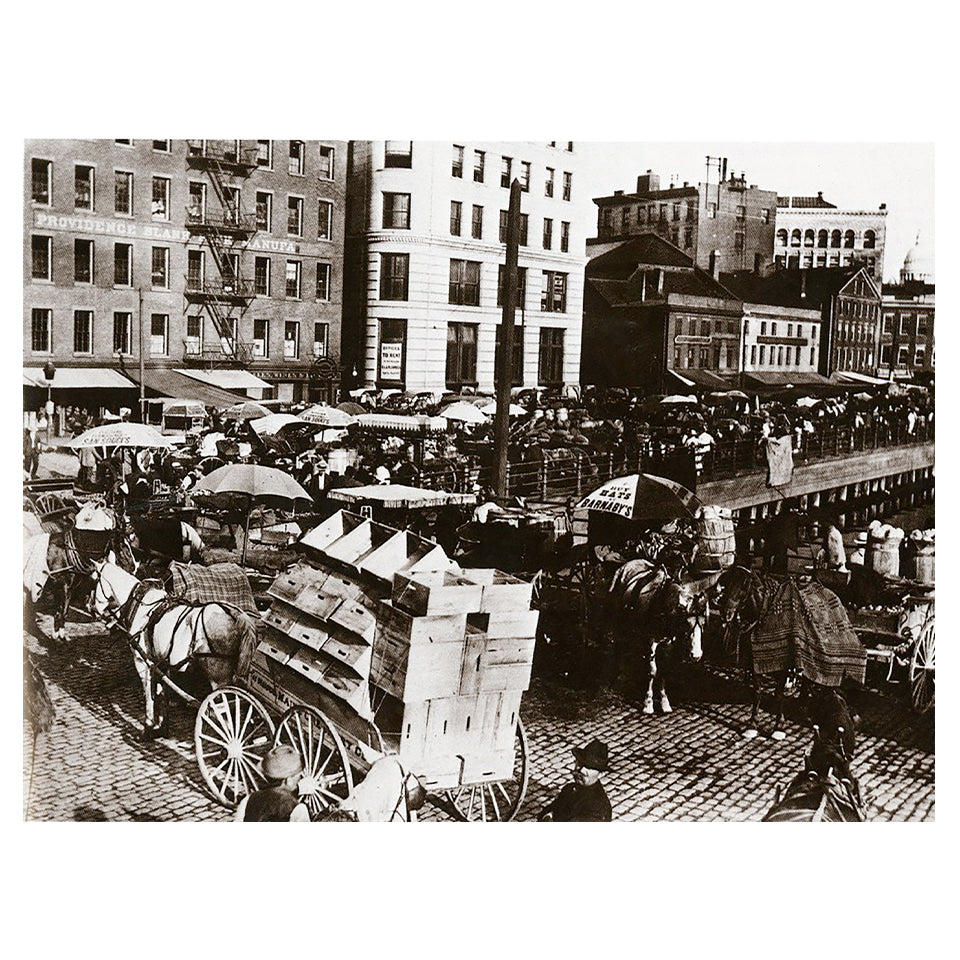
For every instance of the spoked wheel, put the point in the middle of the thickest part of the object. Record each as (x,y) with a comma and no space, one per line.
(232,733)
(922,669)
(327,778)
(499,800)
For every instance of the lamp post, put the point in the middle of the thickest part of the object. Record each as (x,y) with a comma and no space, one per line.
(49,371)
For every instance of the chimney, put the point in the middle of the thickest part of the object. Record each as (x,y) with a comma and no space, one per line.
(686,183)
(618,193)
(723,170)
(713,263)
(648,182)
(883,206)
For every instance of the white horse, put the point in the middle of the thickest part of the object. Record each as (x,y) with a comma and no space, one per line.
(168,634)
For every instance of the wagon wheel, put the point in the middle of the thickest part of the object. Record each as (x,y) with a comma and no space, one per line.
(50,503)
(499,800)
(232,733)
(327,776)
(922,669)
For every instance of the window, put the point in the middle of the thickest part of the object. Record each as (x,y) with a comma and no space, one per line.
(547,233)
(40,331)
(903,356)
(398,153)
(524,224)
(711,211)
(261,276)
(625,220)
(161,146)
(548,184)
(869,240)
(456,166)
(228,342)
(193,344)
(567,185)
(323,281)
(808,238)
(394,274)
(919,356)
(295,162)
(124,143)
(569,146)
(396,211)
(461,355)
(687,238)
(781,237)
(264,211)
(813,356)
(40,176)
(82,331)
(835,238)
(232,212)
(888,323)
(159,331)
(123,334)
(476,225)
(764,214)
(456,209)
(753,354)
(324,220)
(123,264)
(83,187)
(123,192)
(690,356)
(83,261)
(327,166)
(320,336)
(763,351)
(506,164)
(524,176)
(160,267)
(848,239)
(504,215)
(195,269)
(160,199)
(787,355)
(261,338)
(675,237)
(554,296)
(197,201)
(516,360)
(521,286)
(295,216)
(676,212)
(265,154)
(921,324)
(392,355)
(465,282)
(705,330)
(293,279)
(291,340)
(551,355)
(478,161)
(40,257)
(564,236)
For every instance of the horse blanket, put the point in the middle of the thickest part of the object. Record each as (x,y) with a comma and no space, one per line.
(779,461)
(807,627)
(220,582)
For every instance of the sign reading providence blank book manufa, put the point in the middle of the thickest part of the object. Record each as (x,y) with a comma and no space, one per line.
(391,360)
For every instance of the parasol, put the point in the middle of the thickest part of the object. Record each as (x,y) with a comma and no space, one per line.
(274,423)
(642,496)
(806,402)
(326,416)
(464,412)
(678,398)
(354,409)
(120,435)
(184,408)
(246,410)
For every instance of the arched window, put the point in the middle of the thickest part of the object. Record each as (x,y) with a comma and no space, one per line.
(848,240)
(795,238)
(869,240)
(782,238)
(835,238)
(808,238)
(822,238)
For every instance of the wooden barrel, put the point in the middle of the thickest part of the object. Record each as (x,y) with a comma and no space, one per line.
(716,543)
(922,560)
(883,555)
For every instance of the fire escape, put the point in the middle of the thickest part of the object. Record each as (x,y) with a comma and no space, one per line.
(226,230)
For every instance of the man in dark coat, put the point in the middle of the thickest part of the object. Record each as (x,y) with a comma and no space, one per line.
(278,801)
(584,799)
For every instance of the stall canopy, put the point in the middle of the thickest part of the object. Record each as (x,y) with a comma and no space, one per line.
(241,380)
(703,378)
(398,496)
(79,378)
(850,376)
(172,383)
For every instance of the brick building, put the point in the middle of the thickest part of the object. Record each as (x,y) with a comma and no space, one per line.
(224,256)
(907,345)
(723,226)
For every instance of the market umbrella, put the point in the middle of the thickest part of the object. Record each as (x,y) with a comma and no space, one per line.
(642,496)
(677,398)
(326,416)
(184,408)
(254,481)
(354,409)
(489,407)
(806,402)
(120,434)
(464,412)
(863,396)
(728,395)
(274,422)
(246,410)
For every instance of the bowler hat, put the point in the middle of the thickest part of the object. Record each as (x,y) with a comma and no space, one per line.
(593,755)
(282,762)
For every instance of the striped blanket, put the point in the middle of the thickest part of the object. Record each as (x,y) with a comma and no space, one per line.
(219,582)
(807,627)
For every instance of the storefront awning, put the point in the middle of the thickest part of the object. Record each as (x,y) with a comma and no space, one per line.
(703,378)
(850,376)
(228,379)
(798,378)
(79,378)
(171,383)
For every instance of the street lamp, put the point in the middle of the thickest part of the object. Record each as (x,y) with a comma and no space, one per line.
(49,371)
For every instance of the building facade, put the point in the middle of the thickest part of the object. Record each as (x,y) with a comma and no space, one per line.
(779,339)
(426,247)
(723,226)
(811,232)
(223,257)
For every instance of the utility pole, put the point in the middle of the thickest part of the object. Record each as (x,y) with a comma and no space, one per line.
(143,402)
(501,421)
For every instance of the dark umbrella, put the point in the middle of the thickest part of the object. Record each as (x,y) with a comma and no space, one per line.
(354,409)
(642,496)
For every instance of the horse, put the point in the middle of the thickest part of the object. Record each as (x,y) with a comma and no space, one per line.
(826,791)
(167,635)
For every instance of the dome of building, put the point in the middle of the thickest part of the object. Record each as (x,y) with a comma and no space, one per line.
(918,263)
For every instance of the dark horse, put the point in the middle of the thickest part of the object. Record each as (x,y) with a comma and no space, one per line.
(826,791)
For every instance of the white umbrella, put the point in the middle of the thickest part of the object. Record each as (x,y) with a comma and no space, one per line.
(489,407)
(807,402)
(184,408)
(120,435)
(246,410)
(678,398)
(326,416)
(274,422)
(465,412)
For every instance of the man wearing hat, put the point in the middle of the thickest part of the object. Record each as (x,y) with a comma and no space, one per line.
(277,802)
(584,799)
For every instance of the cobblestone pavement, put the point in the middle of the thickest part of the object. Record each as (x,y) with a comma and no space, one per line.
(688,765)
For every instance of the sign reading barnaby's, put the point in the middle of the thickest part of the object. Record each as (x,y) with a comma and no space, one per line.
(617,496)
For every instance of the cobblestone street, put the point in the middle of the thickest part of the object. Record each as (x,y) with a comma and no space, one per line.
(688,765)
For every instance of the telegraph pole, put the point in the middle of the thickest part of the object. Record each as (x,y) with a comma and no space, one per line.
(143,402)
(501,421)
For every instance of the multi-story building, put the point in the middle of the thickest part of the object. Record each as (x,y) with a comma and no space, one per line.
(223,258)
(426,236)
(653,319)
(811,232)
(907,345)
(780,342)
(723,226)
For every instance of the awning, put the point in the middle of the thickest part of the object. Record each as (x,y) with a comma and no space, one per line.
(228,379)
(799,378)
(397,424)
(398,496)
(171,383)
(849,376)
(79,378)
(703,378)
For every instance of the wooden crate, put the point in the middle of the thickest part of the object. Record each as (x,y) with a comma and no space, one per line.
(418,672)
(332,676)
(296,625)
(277,647)
(512,623)
(330,530)
(290,583)
(355,618)
(351,653)
(403,626)
(491,665)
(434,594)
(501,592)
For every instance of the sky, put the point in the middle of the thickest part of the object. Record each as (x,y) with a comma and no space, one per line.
(851,175)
